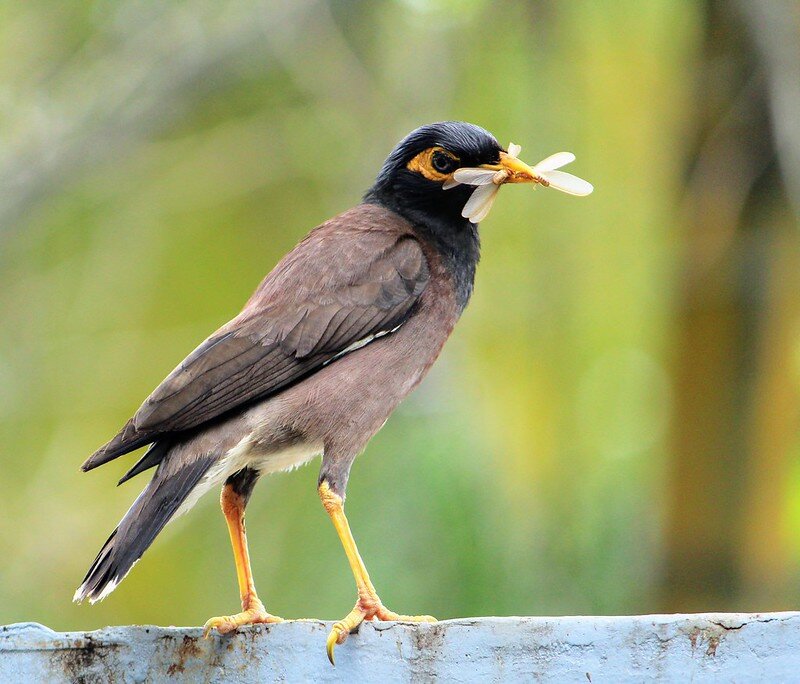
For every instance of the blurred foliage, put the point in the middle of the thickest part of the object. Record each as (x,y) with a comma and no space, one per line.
(157,159)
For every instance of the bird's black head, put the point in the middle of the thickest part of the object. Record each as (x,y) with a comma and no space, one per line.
(412,178)
(411,184)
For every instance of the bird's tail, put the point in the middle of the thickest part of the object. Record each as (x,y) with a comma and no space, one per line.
(153,508)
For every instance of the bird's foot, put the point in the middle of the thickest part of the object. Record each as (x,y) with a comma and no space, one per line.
(367,607)
(254,614)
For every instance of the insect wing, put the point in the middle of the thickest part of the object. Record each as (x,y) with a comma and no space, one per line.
(568,183)
(554,161)
(471,176)
(480,202)
(487,207)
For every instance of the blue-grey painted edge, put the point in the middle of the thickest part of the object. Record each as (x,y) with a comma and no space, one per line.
(698,648)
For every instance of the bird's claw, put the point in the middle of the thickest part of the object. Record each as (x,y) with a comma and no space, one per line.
(337,636)
(255,615)
(371,609)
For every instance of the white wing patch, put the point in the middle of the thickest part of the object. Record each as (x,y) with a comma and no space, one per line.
(363,343)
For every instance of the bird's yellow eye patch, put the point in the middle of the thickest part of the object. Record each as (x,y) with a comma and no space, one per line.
(435,163)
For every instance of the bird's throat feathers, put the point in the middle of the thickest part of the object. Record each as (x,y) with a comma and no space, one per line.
(460,249)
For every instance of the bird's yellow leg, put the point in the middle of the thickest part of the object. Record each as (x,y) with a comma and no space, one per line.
(253,611)
(368,606)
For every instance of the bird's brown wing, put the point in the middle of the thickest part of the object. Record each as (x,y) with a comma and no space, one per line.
(335,292)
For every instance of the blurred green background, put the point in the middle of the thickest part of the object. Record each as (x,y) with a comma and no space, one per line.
(613,427)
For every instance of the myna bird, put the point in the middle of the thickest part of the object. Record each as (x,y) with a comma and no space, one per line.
(340,331)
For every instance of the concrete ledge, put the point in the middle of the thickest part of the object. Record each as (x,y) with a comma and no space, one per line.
(698,648)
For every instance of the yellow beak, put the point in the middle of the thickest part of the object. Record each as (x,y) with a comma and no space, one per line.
(514,170)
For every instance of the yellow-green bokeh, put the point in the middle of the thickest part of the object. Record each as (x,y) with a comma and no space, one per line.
(158,160)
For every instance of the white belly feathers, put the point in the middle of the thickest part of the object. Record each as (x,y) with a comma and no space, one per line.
(246,454)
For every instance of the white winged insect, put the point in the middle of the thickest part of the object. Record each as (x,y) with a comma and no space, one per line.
(489,177)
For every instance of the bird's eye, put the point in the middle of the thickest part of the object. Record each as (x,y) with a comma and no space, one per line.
(436,164)
(443,162)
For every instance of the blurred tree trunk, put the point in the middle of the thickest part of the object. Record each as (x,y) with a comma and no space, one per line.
(736,321)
